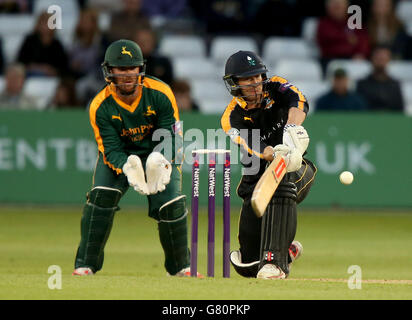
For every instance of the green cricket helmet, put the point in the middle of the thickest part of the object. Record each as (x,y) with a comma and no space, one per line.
(123,53)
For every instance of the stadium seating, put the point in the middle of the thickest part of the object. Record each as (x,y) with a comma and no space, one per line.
(296,70)
(11,24)
(356,69)
(401,70)
(408,28)
(13,30)
(223,47)
(407,96)
(42,88)
(182,46)
(404,11)
(203,89)
(11,47)
(292,58)
(104,21)
(275,48)
(312,90)
(196,68)
(309,29)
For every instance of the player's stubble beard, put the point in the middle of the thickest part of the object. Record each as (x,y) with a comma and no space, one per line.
(128,90)
(254,100)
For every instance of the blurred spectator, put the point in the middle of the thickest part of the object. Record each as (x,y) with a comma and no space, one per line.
(182,92)
(124,22)
(13,96)
(340,98)
(15,6)
(335,39)
(380,90)
(386,29)
(41,52)
(156,65)
(65,95)
(85,53)
(163,8)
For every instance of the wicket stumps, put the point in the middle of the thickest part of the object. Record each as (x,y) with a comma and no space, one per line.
(211,211)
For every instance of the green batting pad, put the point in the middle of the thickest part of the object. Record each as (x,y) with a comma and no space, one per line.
(173,237)
(96,224)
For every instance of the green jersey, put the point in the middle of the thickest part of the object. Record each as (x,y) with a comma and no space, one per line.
(121,129)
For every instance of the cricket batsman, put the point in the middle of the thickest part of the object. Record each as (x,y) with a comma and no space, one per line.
(124,116)
(277,109)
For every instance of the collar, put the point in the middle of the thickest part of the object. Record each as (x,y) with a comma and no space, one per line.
(243,104)
(132,107)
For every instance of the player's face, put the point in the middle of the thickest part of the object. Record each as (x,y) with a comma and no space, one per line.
(252,87)
(126,79)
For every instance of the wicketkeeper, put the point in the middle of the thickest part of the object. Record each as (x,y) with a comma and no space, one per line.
(277,109)
(124,116)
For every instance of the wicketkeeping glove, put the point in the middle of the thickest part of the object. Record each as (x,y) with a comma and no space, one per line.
(133,170)
(158,171)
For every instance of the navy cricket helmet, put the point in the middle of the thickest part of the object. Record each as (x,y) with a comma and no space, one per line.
(243,64)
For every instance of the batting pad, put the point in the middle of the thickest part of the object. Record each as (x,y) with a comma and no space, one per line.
(279,225)
(173,236)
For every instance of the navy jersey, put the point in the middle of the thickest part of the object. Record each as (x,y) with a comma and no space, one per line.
(270,118)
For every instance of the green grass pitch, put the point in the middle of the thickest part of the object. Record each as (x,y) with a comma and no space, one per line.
(32,239)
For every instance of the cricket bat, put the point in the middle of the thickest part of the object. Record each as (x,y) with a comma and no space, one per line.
(267,185)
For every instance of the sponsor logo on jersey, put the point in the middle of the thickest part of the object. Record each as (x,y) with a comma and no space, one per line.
(117,117)
(138,133)
(248,119)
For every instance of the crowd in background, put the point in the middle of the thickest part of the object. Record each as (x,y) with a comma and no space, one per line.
(77,66)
